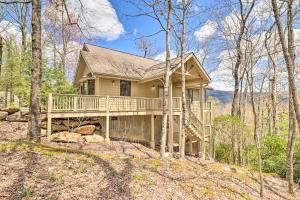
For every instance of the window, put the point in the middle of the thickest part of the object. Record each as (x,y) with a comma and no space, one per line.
(91,86)
(160,91)
(88,87)
(125,88)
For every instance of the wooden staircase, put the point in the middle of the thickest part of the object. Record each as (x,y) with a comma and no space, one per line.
(193,127)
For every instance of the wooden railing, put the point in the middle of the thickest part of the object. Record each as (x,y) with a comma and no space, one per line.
(77,103)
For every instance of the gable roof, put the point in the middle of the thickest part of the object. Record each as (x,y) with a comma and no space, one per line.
(104,61)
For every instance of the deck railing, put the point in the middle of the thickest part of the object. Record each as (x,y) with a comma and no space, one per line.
(78,103)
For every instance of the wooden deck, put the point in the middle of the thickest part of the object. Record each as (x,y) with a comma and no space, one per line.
(64,105)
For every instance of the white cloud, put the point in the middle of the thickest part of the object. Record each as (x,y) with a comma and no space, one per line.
(162,56)
(206,31)
(98,19)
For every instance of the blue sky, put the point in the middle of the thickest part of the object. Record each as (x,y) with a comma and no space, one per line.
(134,28)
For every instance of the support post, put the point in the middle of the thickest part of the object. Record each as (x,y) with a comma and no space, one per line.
(171,130)
(191,146)
(107,120)
(152,140)
(180,131)
(199,148)
(49,117)
(203,122)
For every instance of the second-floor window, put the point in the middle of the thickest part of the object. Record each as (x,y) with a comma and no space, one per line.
(125,88)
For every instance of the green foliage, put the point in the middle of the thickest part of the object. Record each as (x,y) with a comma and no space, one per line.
(222,153)
(54,81)
(16,75)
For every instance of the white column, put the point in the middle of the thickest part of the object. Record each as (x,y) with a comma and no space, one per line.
(152,139)
(107,120)
(49,117)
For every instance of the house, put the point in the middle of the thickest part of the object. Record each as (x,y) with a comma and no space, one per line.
(125,91)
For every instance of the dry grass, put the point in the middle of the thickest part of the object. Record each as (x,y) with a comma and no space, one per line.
(121,171)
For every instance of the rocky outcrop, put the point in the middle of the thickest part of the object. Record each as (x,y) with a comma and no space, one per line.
(92,138)
(74,123)
(17,117)
(3,115)
(85,130)
(66,137)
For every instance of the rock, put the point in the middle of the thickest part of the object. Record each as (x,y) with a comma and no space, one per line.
(93,138)
(57,127)
(57,121)
(43,132)
(24,111)
(3,115)
(85,130)
(17,117)
(66,136)
(12,110)
(43,117)
(73,123)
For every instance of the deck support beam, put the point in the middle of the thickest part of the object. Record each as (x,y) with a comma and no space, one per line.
(199,154)
(202,97)
(152,139)
(49,117)
(180,131)
(191,146)
(107,121)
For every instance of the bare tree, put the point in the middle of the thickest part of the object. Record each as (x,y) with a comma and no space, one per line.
(146,47)
(244,15)
(288,51)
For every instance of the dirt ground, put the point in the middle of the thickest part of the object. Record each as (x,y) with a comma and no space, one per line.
(118,170)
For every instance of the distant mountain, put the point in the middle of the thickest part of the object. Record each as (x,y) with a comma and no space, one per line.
(223,96)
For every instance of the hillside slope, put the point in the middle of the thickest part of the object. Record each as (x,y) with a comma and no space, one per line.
(120,170)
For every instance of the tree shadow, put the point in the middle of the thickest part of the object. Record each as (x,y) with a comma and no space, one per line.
(17,188)
(118,183)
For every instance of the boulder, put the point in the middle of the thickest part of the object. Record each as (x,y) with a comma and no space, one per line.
(3,115)
(73,123)
(43,117)
(43,132)
(93,138)
(58,128)
(17,117)
(66,136)
(24,111)
(12,110)
(85,130)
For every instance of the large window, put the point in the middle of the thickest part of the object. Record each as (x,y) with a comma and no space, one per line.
(88,87)
(91,86)
(125,88)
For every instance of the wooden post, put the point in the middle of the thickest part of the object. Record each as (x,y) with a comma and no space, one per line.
(75,103)
(199,148)
(211,145)
(180,130)
(203,122)
(107,120)
(171,131)
(152,140)
(191,146)
(49,117)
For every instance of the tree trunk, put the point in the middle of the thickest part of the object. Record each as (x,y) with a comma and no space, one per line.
(289,56)
(183,71)
(256,133)
(166,84)
(1,52)
(34,126)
